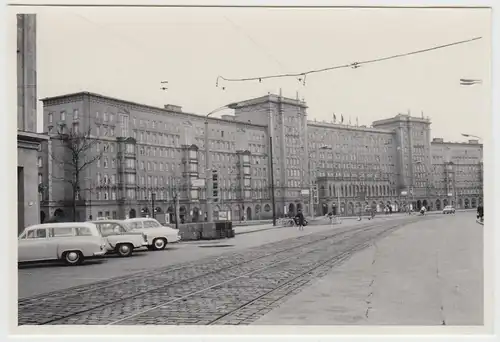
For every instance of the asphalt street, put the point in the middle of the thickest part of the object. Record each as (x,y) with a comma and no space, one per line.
(427,273)
(38,279)
(193,285)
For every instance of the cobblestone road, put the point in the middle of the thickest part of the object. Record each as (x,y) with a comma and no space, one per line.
(233,288)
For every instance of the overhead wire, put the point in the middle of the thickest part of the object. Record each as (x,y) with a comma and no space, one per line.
(342,66)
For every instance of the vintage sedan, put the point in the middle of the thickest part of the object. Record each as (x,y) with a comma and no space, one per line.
(71,242)
(158,235)
(449,210)
(120,239)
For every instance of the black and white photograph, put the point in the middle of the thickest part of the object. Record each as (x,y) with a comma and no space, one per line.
(251,167)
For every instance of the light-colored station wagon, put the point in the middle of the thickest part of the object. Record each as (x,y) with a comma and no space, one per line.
(71,242)
(157,235)
(120,238)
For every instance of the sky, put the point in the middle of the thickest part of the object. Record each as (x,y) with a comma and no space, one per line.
(125,53)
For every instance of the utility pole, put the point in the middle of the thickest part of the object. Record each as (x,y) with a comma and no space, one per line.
(272,178)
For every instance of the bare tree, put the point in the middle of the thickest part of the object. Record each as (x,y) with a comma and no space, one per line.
(76,156)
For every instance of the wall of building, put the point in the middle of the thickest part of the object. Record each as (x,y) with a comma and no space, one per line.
(27,185)
(376,162)
(457,172)
(26,72)
(27,139)
(162,137)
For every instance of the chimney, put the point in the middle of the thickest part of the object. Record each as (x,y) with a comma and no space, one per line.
(173,108)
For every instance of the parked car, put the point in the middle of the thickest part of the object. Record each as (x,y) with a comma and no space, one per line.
(120,238)
(449,210)
(157,235)
(71,242)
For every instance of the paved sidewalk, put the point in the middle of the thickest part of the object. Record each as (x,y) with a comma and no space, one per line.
(423,274)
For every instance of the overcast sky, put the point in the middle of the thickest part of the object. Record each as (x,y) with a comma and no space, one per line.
(125,53)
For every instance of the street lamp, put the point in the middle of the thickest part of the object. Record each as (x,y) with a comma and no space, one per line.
(208,161)
(469,81)
(471,136)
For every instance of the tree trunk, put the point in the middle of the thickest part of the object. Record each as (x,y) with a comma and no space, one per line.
(74,204)
(76,188)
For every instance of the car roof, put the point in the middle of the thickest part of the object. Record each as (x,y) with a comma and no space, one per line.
(107,221)
(135,219)
(62,225)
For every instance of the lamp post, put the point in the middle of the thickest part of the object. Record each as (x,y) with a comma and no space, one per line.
(208,162)
(153,198)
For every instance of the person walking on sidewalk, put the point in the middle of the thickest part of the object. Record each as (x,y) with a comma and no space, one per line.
(300,220)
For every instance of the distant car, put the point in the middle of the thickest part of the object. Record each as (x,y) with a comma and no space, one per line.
(71,242)
(449,210)
(120,238)
(158,236)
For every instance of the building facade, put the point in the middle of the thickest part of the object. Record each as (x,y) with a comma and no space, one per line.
(28,140)
(153,160)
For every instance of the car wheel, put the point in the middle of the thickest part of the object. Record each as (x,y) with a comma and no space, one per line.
(159,244)
(124,249)
(72,258)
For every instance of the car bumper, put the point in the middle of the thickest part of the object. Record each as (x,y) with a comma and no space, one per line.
(100,253)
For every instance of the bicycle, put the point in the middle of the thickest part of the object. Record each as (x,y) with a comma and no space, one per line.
(335,220)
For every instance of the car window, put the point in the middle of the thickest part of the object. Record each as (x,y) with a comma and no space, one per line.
(110,228)
(152,224)
(62,232)
(83,231)
(30,235)
(41,233)
(134,224)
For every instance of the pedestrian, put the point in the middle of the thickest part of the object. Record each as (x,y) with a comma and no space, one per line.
(480,212)
(300,220)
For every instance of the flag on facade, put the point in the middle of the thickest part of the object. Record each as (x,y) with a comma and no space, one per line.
(334,118)
(342,116)
(349,120)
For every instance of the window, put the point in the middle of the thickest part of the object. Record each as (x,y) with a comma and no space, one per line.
(105,163)
(40,178)
(130,148)
(97,117)
(50,117)
(130,193)
(113,179)
(105,116)
(63,116)
(75,127)
(83,231)
(131,178)
(193,167)
(113,195)
(113,163)
(59,232)
(75,114)
(114,215)
(130,163)
(40,233)
(124,120)
(39,161)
